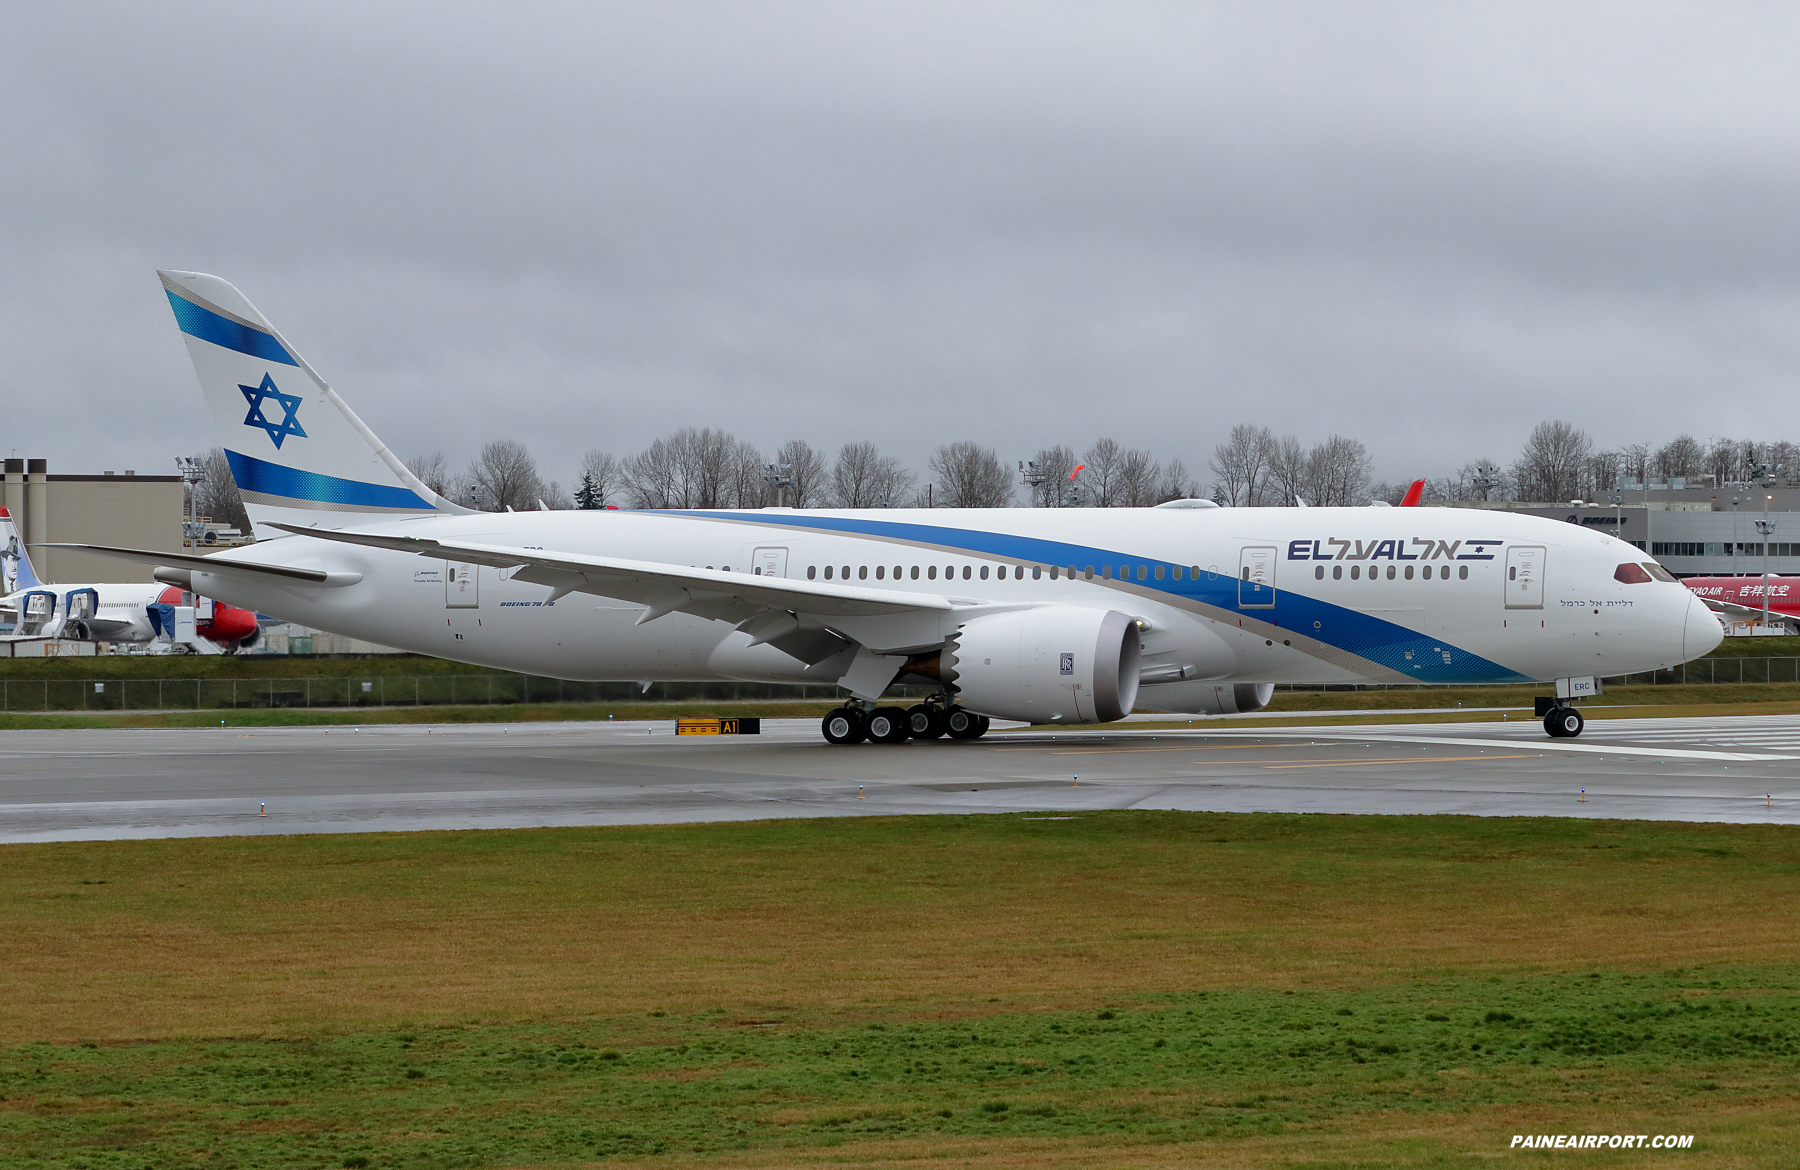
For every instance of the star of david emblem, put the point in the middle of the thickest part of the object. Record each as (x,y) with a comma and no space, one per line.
(256,396)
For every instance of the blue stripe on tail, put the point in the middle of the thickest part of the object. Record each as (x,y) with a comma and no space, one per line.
(272,479)
(223,331)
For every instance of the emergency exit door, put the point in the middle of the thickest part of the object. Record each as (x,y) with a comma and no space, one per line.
(771,562)
(462,585)
(1256,578)
(1525,577)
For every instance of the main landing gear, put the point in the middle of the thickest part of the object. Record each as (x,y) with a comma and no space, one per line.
(852,724)
(1560,720)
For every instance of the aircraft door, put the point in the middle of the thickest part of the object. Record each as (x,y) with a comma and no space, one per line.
(462,585)
(771,562)
(37,612)
(1256,578)
(1525,577)
(79,606)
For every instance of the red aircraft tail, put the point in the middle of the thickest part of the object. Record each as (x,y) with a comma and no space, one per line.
(1413,494)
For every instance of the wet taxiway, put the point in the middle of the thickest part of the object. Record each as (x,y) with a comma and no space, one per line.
(72,785)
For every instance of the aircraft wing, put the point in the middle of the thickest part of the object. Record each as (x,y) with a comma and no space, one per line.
(1745,613)
(658,586)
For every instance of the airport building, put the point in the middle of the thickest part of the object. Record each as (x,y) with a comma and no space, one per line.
(1695,531)
(139,511)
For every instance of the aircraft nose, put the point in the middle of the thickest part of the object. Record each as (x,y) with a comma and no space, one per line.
(1703,632)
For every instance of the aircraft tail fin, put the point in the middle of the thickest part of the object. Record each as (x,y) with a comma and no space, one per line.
(298,452)
(15,563)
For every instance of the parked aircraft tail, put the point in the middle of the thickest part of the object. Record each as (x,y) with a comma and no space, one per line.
(298,452)
(15,563)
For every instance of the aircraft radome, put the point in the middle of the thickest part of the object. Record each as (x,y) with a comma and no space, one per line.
(1059,616)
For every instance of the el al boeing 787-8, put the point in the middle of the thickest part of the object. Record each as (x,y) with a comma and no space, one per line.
(1051,615)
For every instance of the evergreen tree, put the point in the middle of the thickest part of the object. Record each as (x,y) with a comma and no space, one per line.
(589,496)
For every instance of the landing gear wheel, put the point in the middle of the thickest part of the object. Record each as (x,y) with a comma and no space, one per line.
(845,725)
(961,724)
(1564,723)
(923,721)
(888,725)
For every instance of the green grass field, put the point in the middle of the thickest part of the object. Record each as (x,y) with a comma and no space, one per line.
(1141,989)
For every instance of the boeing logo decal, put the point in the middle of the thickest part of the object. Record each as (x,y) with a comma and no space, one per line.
(256,396)
(1392,550)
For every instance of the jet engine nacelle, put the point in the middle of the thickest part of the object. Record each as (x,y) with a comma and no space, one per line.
(1200,698)
(1052,664)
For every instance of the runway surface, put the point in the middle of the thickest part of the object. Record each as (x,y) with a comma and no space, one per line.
(76,785)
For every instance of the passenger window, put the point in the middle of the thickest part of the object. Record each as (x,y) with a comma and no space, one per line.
(1390,572)
(1037,571)
(1159,572)
(828,572)
(1337,572)
(1629,574)
(984,569)
(1462,572)
(966,569)
(1512,572)
(847,572)
(1318,572)
(1124,572)
(1090,572)
(931,572)
(812,571)
(1356,572)
(1106,572)
(915,572)
(1143,571)
(1409,572)
(1178,572)
(880,572)
(1196,572)
(896,572)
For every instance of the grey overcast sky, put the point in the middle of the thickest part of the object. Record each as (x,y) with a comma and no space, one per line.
(582,226)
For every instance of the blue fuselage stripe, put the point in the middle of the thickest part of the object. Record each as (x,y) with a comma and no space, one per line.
(1375,639)
(272,479)
(207,325)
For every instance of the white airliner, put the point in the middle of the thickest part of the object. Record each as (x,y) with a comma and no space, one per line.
(116,611)
(1056,615)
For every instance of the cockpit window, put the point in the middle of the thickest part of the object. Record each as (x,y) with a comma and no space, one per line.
(1660,573)
(1631,574)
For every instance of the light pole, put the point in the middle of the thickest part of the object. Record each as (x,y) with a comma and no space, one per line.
(779,476)
(191,471)
(1031,476)
(1765,528)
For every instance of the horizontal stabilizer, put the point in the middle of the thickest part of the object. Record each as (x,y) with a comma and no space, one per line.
(214,564)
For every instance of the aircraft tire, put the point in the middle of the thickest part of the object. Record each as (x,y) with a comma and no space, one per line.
(888,725)
(961,724)
(845,725)
(923,721)
(1564,723)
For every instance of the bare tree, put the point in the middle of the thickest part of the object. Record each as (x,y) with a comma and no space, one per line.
(1176,483)
(1054,465)
(555,498)
(1680,458)
(689,469)
(216,493)
(432,471)
(1288,476)
(1338,469)
(865,478)
(506,475)
(1551,465)
(1634,461)
(806,474)
(1242,464)
(601,479)
(1139,477)
(971,476)
(748,487)
(1100,482)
